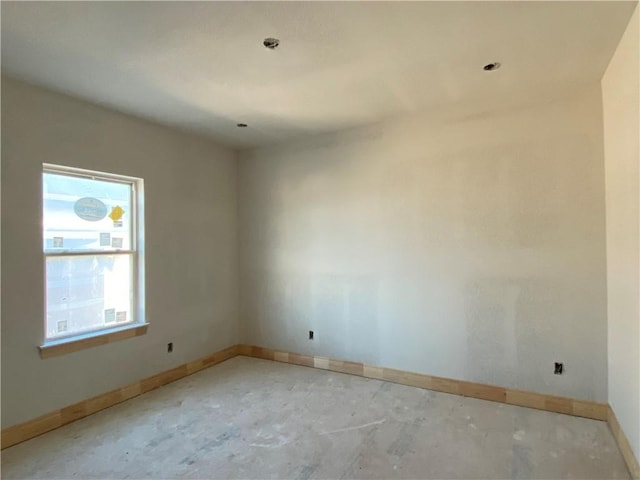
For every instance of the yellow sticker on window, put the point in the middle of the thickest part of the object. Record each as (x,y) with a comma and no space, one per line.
(116,213)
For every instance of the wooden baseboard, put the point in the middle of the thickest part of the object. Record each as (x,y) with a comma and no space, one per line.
(569,406)
(623,444)
(598,411)
(32,428)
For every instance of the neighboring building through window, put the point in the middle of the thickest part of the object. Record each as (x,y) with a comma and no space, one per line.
(91,239)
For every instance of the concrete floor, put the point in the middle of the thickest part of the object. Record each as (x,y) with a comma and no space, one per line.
(250,418)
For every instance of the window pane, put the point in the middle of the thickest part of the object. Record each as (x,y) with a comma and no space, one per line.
(88,292)
(83,214)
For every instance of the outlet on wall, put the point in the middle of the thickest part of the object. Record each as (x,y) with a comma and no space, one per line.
(558,369)
(169,347)
(311,334)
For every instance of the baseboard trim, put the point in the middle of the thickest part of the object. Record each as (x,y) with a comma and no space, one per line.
(50,421)
(623,443)
(551,403)
(539,401)
(580,408)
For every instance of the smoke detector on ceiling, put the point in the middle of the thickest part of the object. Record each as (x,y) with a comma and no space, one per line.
(271,43)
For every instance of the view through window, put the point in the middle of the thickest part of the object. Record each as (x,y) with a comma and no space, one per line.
(90,239)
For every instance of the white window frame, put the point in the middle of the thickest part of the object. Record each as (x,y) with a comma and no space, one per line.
(51,346)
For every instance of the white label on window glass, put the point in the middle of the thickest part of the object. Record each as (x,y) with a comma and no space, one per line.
(110,315)
(90,209)
(58,242)
(62,326)
(121,317)
(105,239)
(117,223)
(116,242)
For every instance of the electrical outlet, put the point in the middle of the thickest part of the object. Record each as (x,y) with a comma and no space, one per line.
(169,347)
(559,368)
(310,334)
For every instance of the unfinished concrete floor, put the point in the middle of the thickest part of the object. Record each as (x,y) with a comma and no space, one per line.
(249,418)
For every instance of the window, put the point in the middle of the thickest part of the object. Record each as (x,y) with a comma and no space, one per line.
(92,233)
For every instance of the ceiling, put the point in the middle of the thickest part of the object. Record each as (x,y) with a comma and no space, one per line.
(202,67)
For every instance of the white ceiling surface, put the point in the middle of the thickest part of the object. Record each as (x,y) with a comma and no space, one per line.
(202,67)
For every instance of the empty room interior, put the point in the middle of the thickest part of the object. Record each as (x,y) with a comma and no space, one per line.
(320,240)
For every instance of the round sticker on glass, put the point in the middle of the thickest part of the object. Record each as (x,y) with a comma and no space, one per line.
(90,209)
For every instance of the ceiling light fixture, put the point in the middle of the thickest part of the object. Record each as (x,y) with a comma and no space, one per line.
(271,43)
(490,67)
(242,125)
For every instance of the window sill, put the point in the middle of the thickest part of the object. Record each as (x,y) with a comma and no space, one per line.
(63,346)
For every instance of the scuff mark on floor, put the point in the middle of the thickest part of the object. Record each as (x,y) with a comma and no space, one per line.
(219,440)
(269,445)
(270,442)
(158,440)
(357,427)
(402,444)
(307,471)
(519,435)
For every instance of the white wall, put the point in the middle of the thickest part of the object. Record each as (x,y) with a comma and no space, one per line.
(469,246)
(621,109)
(191,246)
(464,245)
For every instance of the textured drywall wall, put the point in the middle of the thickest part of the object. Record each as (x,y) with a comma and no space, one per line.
(621,111)
(469,246)
(190,236)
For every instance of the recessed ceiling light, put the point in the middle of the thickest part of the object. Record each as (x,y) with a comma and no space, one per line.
(271,43)
(489,67)
(242,125)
